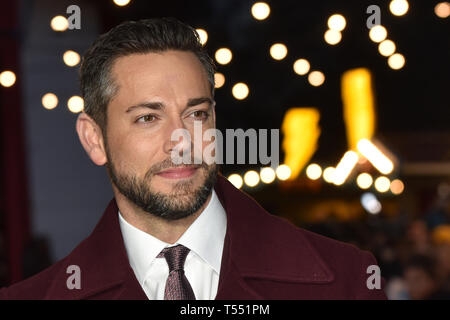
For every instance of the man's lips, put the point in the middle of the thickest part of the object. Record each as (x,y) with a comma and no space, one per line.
(178,173)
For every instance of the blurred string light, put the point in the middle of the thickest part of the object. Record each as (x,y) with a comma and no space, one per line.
(219,80)
(71,58)
(345,167)
(75,104)
(378,33)
(399,7)
(278,51)
(240,91)
(380,161)
(313,171)
(251,178)
(396,61)
(49,101)
(328,174)
(337,22)
(386,48)
(267,175)
(370,203)
(332,36)
(283,172)
(382,184)
(442,9)
(301,67)
(316,78)
(236,180)
(358,104)
(364,180)
(397,186)
(7,78)
(260,10)
(121,3)
(301,131)
(203,35)
(223,56)
(59,23)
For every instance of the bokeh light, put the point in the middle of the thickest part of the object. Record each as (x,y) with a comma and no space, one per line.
(260,10)
(301,67)
(49,101)
(7,78)
(240,91)
(278,51)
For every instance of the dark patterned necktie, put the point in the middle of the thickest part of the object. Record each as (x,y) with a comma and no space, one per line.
(177,285)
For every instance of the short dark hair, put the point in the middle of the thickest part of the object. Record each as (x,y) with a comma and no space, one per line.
(143,36)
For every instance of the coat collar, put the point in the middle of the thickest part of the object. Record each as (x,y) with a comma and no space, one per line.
(256,246)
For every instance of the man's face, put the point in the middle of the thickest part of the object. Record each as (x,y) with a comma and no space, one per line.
(157,94)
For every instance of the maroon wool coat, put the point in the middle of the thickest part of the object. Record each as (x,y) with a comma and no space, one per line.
(264,257)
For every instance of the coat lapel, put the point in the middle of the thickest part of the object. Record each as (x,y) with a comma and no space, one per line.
(261,246)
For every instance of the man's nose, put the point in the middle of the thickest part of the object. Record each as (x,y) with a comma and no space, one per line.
(177,137)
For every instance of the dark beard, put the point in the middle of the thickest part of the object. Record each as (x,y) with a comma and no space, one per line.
(184,200)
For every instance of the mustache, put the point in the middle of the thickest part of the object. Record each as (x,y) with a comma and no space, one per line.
(168,164)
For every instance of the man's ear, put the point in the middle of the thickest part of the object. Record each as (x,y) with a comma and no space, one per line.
(91,138)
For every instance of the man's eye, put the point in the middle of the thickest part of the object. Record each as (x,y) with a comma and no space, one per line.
(147,118)
(199,114)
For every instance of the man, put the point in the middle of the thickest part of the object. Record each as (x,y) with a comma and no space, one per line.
(179,231)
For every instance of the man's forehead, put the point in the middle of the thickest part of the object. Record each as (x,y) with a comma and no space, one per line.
(139,77)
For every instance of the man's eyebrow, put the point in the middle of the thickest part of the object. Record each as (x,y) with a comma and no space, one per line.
(149,105)
(196,101)
(160,106)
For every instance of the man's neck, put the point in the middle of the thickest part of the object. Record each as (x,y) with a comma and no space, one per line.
(164,230)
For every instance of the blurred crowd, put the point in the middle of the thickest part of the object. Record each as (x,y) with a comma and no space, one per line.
(413,252)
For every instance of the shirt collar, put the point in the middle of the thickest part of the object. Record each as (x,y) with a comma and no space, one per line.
(205,237)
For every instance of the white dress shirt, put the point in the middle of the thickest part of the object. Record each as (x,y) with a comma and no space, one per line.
(204,237)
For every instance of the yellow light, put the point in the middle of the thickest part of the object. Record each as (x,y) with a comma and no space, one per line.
(251,178)
(219,80)
(336,22)
(278,51)
(378,33)
(75,104)
(364,180)
(240,91)
(267,175)
(397,186)
(59,23)
(375,156)
(313,171)
(442,10)
(358,103)
(382,184)
(260,10)
(301,66)
(316,78)
(7,78)
(301,132)
(49,101)
(223,55)
(386,48)
(332,36)
(283,172)
(399,7)
(396,61)
(345,167)
(203,35)
(328,174)
(121,3)
(236,180)
(71,58)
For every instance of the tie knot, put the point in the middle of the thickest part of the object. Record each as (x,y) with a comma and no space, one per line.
(175,256)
